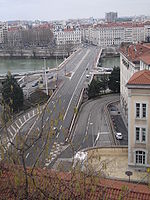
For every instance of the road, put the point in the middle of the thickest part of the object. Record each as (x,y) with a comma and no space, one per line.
(92,128)
(63,103)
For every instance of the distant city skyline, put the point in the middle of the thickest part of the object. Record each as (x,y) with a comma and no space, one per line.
(69,9)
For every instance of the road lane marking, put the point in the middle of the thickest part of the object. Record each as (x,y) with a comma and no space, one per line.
(73,95)
(20,121)
(10,132)
(57,135)
(78,65)
(27,155)
(24,118)
(13,128)
(17,125)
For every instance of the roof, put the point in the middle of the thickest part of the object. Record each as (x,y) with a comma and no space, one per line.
(135,51)
(68,186)
(146,58)
(140,78)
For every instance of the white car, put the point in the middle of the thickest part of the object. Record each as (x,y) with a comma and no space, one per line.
(119,136)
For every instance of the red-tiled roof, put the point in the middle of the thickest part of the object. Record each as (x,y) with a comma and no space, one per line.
(146,58)
(68,186)
(123,24)
(140,78)
(135,51)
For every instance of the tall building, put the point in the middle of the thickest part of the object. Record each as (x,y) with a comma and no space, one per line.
(138,120)
(111,17)
(133,58)
(3,32)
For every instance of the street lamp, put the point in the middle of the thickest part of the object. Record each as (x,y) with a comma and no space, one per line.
(45,76)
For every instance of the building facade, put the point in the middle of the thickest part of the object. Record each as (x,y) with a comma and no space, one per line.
(132,59)
(3,32)
(111,16)
(113,34)
(68,36)
(138,120)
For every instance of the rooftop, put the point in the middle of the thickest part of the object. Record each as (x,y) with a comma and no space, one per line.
(135,52)
(146,58)
(54,185)
(140,78)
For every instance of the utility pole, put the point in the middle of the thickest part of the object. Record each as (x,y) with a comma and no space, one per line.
(46,84)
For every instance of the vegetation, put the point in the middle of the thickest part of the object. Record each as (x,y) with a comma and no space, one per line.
(98,87)
(12,94)
(114,80)
(93,89)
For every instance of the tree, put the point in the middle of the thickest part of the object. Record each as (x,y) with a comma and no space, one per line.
(93,89)
(114,80)
(12,94)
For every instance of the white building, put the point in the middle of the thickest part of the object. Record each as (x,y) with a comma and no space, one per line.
(3,32)
(113,34)
(68,36)
(138,120)
(132,59)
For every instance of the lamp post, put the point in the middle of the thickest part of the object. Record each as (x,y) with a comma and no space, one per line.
(45,76)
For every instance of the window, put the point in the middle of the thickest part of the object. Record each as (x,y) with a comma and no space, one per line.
(137,134)
(137,110)
(141,110)
(140,157)
(140,134)
(143,134)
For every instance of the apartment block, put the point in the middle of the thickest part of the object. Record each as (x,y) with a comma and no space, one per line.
(133,58)
(3,32)
(139,120)
(67,36)
(113,34)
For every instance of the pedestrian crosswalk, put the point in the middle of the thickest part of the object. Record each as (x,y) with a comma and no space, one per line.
(14,128)
(55,152)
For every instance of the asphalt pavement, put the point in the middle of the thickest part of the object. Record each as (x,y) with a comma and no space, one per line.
(63,102)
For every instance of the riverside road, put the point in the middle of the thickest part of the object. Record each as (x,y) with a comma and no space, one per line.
(64,101)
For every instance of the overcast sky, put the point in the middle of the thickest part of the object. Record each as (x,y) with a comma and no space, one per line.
(66,9)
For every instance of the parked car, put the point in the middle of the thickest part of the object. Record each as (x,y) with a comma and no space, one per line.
(119,136)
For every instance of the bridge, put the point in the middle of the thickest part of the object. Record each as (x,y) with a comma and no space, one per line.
(73,75)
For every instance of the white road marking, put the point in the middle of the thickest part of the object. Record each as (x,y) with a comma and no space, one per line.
(13,128)
(47,119)
(27,155)
(10,132)
(75,69)
(60,127)
(24,118)
(57,135)
(73,95)
(17,125)
(20,121)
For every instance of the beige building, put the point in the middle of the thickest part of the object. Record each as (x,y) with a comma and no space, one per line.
(133,58)
(139,120)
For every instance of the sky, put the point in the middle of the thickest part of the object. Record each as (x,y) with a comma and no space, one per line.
(68,9)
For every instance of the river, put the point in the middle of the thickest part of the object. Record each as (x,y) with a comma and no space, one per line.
(110,62)
(25,65)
